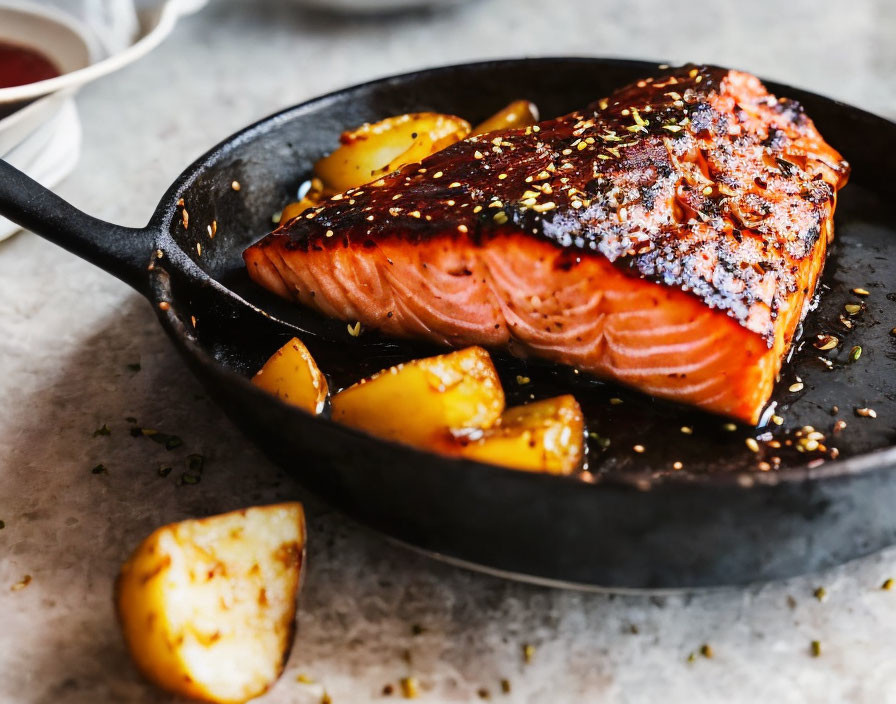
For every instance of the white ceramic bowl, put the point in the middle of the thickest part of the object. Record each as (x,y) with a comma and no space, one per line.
(65,42)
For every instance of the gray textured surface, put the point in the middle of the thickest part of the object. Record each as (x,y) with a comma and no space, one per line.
(67,333)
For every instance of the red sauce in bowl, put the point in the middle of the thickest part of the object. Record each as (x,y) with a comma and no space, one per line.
(20,65)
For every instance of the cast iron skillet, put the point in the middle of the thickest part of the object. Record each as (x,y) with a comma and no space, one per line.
(632,521)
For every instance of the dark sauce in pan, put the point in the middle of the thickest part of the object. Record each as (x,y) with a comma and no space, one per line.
(21,65)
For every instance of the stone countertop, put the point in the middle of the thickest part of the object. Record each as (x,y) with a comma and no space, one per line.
(68,333)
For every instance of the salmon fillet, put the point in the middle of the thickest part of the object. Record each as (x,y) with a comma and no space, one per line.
(669,237)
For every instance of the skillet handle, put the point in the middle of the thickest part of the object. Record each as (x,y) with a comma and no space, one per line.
(124,252)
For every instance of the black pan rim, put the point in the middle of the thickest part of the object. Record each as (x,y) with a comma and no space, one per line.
(164,213)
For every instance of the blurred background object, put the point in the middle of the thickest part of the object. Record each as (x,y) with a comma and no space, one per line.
(83,40)
(375,7)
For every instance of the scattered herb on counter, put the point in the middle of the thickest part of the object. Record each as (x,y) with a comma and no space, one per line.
(505,686)
(304,679)
(691,657)
(164,470)
(528,652)
(855,353)
(21,584)
(409,687)
(169,441)
(417,629)
(130,419)
(135,367)
(99,469)
(324,698)
(820,593)
(706,650)
(102,431)
(815,648)
(484,693)
(2,525)
(190,479)
(387,690)
(887,585)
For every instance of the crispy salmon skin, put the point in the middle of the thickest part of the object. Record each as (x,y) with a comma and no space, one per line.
(669,237)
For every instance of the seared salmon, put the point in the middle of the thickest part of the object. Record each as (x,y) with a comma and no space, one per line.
(669,237)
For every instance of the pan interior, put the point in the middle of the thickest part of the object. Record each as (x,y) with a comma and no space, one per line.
(235,193)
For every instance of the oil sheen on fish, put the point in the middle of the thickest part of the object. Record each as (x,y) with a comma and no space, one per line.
(669,237)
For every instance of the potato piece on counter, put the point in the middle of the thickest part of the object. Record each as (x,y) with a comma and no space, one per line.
(373,150)
(520,113)
(292,375)
(545,436)
(417,403)
(207,606)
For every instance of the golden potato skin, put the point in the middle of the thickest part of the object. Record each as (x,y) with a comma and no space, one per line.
(519,113)
(545,436)
(207,607)
(375,149)
(419,402)
(292,375)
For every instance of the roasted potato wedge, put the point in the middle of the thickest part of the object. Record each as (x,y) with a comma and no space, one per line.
(520,113)
(545,436)
(421,401)
(373,150)
(292,375)
(208,606)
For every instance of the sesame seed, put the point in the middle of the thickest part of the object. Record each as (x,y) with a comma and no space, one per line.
(477,209)
(687,430)
(826,342)
(500,217)
(852,308)
(354,330)
(861,292)
(235,185)
(454,184)
(329,233)
(639,448)
(615,401)
(866,412)
(777,420)
(501,177)
(477,154)
(752,444)
(463,228)
(677,465)
(730,427)
(438,174)
(798,386)
(414,213)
